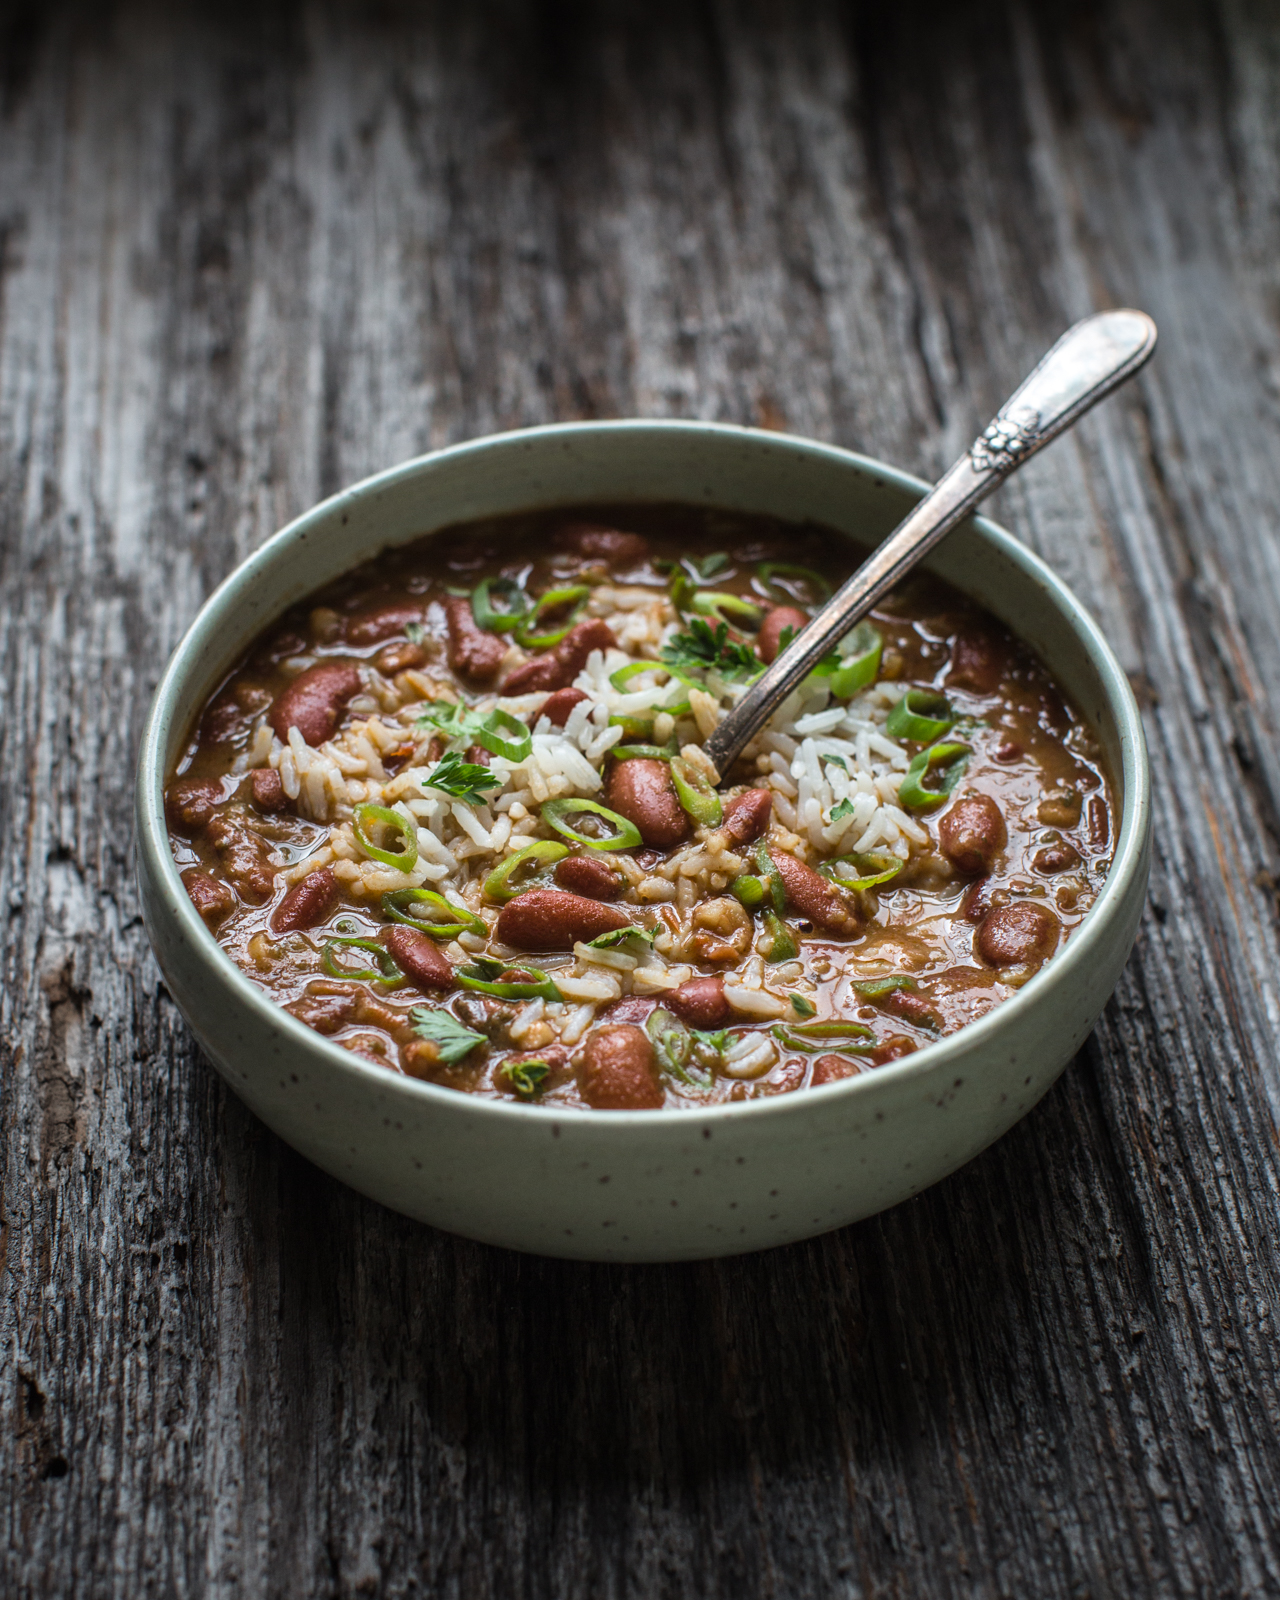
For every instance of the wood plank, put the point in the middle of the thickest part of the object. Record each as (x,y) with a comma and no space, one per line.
(247,258)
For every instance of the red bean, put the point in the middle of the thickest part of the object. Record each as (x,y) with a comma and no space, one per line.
(267,789)
(618,1071)
(190,802)
(972,833)
(556,707)
(376,623)
(813,897)
(244,859)
(1098,823)
(1010,750)
(1017,933)
(978,661)
(631,1008)
(421,960)
(559,667)
(830,1069)
(309,902)
(641,790)
(700,1002)
(747,815)
(546,919)
(893,1048)
(473,652)
(1060,857)
(213,900)
(324,1009)
(775,624)
(393,658)
(596,542)
(590,876)
(314,701)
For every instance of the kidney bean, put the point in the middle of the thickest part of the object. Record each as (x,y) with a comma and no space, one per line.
(618,1071)
(393,658)
(891,1049)
(267,789)
(190,802)
(590,876)
(546,919)
(309,902)
(325,1008)
(384,621)
(978,662)
(556,707)
(1010,750)
(472,651)
(775,624)
(975,902)
(599,543)
(973,833)
(1099,826)
(813,897)
(244,858)
(631,1008)
(213,900)
(830,1069)
(700,1002)
(559,667)
(1017,933)
(420,958)
(747,815)
(912,1007)
(477,755)
(641,790)
(1059,857)
(314,701)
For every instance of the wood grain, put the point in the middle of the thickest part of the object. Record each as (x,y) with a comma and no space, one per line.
(250,254)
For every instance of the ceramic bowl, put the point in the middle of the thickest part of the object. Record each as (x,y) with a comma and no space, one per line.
(650,1185)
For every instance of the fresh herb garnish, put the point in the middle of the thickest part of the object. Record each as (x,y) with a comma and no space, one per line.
(710,565)
(525,1077)
(718,1042)
(454,719)
(413,632)
(451,1039)
(707,649)
(617,936)
(464,780)
(842,808)
(803,1006)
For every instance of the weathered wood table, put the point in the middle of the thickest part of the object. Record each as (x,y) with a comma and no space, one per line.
(248,255)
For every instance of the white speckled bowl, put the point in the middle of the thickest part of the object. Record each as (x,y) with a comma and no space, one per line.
(648,1185)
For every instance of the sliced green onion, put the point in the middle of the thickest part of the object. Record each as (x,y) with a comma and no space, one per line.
(865,871)
(487,615)
(727,607)
(623,676)
(768,570)
(768,870)
(575,597)
(859,661)
(617,936)
(491,732)
(634,724)
(922,715)
(749,890)
(877,988)
(645,752)
(455,920)
(482,974)
(361,818)
(843,1038)
(525,1077)
(695,794)
(554,813)
(501,885)
(784,946)
(680,590)
(388,971)
(673,1045)
(802,1005)
(948,761)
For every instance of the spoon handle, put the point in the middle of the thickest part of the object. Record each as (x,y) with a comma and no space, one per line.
(1087,363)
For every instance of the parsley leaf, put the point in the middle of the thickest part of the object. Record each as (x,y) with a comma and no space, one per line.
(710,565)
(803,1006)
(464,780)
(705,649)
(843,809)
(451,1039)
(717,1041)
(454,720)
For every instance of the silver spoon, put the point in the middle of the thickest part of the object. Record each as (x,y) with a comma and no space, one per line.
(1087,363)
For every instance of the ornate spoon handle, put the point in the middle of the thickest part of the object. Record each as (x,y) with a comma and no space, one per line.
(1087,363)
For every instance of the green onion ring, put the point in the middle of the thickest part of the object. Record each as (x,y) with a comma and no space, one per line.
(487,616)
(490,735)
(644,752)
(877,988)
(873,868)
(525,1077)
(403,861)
(814,1037)
(389,973)
(498,886)
(860,664)
(623,676)
(922,715)
(784,947)
(555,811)
(768,870)
(634,724)
(395,902)
(767,570)
(575,595)
(949,760)
(728,608)
(473,977)
(695,794)
(749,890)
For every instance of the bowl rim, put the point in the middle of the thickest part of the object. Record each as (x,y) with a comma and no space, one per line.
(153,838)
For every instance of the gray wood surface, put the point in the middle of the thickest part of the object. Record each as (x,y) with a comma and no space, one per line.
(249,254)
